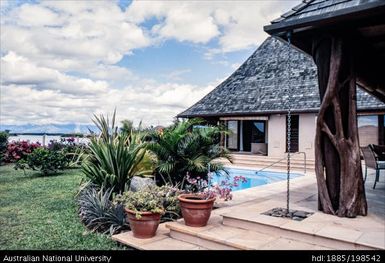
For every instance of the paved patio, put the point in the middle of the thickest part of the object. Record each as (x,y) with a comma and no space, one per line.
(239,224)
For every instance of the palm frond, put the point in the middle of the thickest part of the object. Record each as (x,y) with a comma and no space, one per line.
(184,148)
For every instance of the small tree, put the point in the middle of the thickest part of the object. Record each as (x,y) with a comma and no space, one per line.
(4,135)
(127,126)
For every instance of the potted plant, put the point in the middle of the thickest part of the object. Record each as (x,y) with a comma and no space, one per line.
(144,209)
(198,201)
(196,208)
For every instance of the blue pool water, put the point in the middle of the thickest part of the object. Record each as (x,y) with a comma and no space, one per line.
(253,178)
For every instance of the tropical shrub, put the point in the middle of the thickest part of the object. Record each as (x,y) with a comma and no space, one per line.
(43,160)
(184,149)
(64,143)
(97,211)
(74,152)
(3,145)
(18,150)
(115,158)
(55,145)
(127,127)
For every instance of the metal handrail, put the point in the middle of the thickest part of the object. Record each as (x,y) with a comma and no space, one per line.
(284,158)
(270,165)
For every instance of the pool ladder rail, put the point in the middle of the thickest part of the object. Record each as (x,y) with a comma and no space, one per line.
(284,158)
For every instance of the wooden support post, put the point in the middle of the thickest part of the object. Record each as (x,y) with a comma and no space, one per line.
(337,153)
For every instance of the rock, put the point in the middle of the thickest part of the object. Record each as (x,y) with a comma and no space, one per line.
(302,214)
(293,214)
(138,183)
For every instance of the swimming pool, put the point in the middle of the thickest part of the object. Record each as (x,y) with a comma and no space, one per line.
(253,178)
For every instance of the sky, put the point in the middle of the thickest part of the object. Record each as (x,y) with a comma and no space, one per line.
(63,61)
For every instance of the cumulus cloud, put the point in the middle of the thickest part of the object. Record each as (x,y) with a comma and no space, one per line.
(59,58)
(36,15)
(17,70)
(185,24)
(39,95)
(235,24)
(153,105)
(71,36)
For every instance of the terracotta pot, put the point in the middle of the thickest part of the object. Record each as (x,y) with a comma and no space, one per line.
(196,211)
(146,226)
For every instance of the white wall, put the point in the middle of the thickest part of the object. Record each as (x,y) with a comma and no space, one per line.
(307,128)
(277,134)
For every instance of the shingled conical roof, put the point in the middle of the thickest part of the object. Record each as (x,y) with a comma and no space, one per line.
(260,86)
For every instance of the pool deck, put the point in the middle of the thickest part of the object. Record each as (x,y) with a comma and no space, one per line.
(239,224)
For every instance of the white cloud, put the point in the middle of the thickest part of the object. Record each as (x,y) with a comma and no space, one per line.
(185,24)
(30,15)
(39,95)
(102,32)
(236,24)
(68,36)
(153,104)
(59,58)
(17,70)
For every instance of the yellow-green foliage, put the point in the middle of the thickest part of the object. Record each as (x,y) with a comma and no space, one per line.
(153,199)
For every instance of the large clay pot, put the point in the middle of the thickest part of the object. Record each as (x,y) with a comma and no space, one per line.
(146,226)
(196,211)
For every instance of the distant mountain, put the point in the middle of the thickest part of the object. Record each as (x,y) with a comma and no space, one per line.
(49,128)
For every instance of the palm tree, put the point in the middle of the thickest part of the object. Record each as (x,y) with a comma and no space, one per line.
(187,147)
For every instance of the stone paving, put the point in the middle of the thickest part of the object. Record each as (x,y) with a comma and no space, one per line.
(239,223)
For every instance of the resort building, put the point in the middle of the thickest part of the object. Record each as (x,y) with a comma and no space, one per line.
(253,103)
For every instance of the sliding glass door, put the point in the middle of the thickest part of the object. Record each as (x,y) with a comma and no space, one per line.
(247,135)
(232,137)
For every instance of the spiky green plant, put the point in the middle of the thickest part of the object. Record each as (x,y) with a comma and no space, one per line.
(97,211)
(115,158)
(183,148)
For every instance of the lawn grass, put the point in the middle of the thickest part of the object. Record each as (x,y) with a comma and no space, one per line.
(41,213)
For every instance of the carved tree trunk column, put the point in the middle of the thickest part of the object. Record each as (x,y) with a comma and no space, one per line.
(337,153)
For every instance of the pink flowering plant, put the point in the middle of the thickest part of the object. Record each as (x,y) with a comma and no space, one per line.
(18,150)
(222,190)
